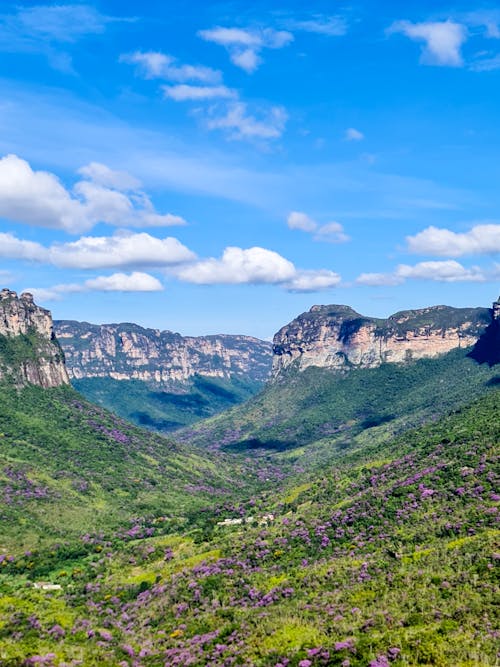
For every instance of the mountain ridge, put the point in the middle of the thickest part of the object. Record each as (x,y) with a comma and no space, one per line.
(128,351)
(337,337)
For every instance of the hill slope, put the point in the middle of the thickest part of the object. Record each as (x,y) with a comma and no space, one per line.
(333,411)
(68,467)
(386,558)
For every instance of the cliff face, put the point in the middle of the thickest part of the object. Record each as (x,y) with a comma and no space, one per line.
(487,348)
(128,351)
(29,353)
(338,337)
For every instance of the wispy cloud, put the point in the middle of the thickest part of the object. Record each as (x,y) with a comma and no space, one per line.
(46,28)
(187,93)
(320,24)
(352,134)
(332,232)
(245,45)
(442,40)
(233,117)
(240,124)
(158,65)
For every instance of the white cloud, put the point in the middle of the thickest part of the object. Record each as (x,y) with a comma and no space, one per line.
(117,282)
(331,231)
(298,220)
(313,281)
(232,36)
(184,92)
(333,26)
(120,250)
(157,65)
(246,59)
(351,134)
(109,178)
(448,271)
(241,125)
(480,240)
(38,198)
(237,266)
(14,248)
(255,266)
(443,40)
(378,279)
(245,45)
(123,282)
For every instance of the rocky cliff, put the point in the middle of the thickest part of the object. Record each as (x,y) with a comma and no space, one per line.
(29,353)
(487,348)
(130,352)
(338,337)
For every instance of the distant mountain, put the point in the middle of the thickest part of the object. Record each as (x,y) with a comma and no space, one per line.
(29,353)
(129,352)
(339,338)
(160,379)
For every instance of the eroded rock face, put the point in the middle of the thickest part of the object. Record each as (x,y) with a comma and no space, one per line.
(29,353)
(338,337)
(128,351)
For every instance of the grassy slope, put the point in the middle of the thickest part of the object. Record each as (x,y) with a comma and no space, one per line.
(316,404)
(67,466)
(166,410)
(385,558)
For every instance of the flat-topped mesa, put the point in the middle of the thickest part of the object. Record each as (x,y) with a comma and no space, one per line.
(29,352)
(339,338)
(129,352)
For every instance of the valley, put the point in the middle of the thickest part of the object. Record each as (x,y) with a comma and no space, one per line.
(341,516)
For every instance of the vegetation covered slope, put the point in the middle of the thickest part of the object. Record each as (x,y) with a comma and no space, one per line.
(67,466)
(167,409)
(389,557)
(332,410)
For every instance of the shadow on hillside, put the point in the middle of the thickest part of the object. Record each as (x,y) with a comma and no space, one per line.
(487,348)
(159,424)
(256,444)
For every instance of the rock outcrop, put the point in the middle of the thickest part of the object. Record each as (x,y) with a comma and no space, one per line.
(339,338)
(29,352)
(130,352)
(487,348)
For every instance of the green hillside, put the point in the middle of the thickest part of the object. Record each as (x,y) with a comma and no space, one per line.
(389,557)
(68,467)
(335,411)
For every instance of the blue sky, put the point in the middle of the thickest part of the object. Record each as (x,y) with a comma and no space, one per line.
(221,167)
